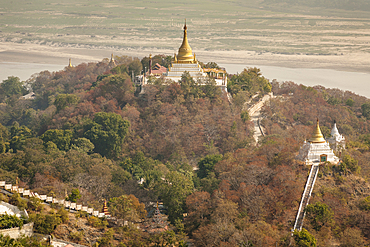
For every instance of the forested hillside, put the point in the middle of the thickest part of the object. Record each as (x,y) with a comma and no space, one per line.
(89,133)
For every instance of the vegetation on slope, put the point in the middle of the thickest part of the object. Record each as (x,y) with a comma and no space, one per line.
(87,129)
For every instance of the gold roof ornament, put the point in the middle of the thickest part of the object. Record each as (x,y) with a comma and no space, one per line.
(70,64)
(317,136)
(185,54)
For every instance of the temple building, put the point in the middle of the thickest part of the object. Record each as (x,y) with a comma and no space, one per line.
(185,60)
(317,149)
(336,141)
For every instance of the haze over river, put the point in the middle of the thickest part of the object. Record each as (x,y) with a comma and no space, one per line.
(356,82)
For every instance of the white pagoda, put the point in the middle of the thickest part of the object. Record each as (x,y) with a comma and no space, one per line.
(337,141)
(317,149)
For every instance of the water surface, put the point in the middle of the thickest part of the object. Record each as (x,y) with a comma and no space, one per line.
(356,82)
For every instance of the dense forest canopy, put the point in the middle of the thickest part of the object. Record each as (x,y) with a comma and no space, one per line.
(88,131)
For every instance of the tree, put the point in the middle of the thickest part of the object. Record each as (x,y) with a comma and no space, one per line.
(127,208)
(366,110)
(207,164)
(45,223)
(82,145)
(189,86)
(61,138)
(10,221)
(250,80)
(19,135)
(74,196)
(319,215)
(64,100)
(107,132)
(304,239)
(174,190)
(135,67)
(13,86)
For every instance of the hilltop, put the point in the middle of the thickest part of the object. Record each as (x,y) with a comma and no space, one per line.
(87,128)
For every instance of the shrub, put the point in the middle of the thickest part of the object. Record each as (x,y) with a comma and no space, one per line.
(10,221)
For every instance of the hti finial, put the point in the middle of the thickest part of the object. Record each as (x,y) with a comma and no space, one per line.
(185,25)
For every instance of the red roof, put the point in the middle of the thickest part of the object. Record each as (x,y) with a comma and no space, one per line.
(158,69)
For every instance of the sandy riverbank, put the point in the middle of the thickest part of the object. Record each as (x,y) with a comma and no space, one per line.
(33,53)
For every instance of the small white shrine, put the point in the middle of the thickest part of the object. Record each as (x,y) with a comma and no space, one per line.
(317,149)
(336,141)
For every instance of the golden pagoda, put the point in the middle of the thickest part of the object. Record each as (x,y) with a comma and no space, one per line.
(185,61)
(317,149)
(185,54)
(70,64)
(317,136)
(105,208)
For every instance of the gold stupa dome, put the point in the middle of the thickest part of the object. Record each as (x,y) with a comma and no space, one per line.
(317,136)
(185,54)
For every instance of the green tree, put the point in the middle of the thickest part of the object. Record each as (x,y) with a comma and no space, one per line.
(61,138)
(365,204)
(10,221)
(350,102)
(135,67)
(64,100)
(82,145)
(250,80)
(17,200)
(46,223)
(127,207)
(351,163)
(19,135)
(366,110)
(13,86)
(74,196)
(207,164)
(304,239)
(319,215)
(245,116)
(174,190)
(107,132)
(189,86)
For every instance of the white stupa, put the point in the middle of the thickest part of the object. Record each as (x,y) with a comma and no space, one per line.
(317,149)
(337,141)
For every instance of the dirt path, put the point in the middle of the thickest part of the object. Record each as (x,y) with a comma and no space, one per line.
(255,115)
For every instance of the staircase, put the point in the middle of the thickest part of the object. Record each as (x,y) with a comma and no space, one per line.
(306,197)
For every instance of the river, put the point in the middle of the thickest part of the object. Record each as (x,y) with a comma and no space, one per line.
(356,82)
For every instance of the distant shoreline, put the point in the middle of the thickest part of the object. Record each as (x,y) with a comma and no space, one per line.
(24,60)
(42,54)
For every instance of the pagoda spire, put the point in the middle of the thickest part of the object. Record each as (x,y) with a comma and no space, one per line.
(185,54)
(70,64)
(317,136)
(112,61)
(105,208)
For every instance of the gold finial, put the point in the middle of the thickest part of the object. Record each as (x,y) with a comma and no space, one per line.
(150,56)
(70,64)
(185,28)
(16,181)
(317,136)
